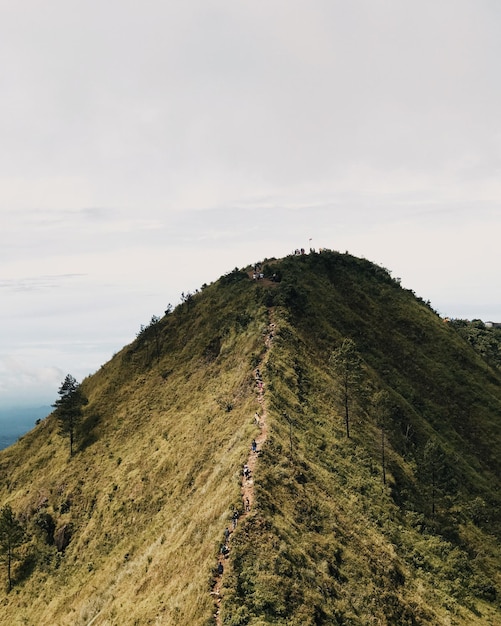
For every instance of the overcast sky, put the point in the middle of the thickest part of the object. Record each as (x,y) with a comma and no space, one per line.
(147,148)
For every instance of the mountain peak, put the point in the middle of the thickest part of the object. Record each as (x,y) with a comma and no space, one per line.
(396,523)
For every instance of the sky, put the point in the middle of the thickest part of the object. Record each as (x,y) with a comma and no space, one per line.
(148,148)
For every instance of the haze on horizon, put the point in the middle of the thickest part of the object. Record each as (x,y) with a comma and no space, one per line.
(146,150)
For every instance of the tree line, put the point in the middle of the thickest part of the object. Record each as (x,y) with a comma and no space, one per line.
(347,366)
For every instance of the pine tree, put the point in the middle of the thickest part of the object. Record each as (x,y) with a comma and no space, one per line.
(347,364)
(440,475)
(381,402)
(69,408)
(11,537)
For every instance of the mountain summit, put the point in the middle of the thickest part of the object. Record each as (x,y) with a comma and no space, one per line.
(302,442)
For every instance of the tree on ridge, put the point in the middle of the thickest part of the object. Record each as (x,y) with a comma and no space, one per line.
(69,408)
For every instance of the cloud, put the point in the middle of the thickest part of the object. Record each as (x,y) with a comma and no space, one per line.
(149,149)
(36,283)
(173,107)
(25,384)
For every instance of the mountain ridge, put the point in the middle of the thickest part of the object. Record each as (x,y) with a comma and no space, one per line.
(167,429)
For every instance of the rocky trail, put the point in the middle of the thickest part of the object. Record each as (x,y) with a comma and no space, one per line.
(247,488)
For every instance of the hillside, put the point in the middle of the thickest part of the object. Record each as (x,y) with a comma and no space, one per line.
(128,530)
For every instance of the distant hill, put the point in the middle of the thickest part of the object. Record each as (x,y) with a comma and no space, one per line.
(398,524)
(17,421)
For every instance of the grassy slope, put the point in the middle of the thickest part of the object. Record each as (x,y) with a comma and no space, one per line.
(152,490)
(330,544)
(169,424)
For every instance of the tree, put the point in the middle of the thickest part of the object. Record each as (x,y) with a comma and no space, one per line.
(69,408)
(439,474)
(289,421)
(382,406)
(347,364)
(11,537)
(155,326)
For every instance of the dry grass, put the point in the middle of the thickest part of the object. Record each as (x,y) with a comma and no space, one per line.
(149,498)
(168,426)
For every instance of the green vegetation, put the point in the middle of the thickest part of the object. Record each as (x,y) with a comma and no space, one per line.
(68,408)
(397,524)
(346,363)
(11,537)
(485,340)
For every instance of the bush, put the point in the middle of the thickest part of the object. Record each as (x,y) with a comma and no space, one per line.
(45,522)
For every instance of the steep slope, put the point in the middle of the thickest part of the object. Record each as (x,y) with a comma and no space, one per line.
(333,544)
(157,477)
(168,426)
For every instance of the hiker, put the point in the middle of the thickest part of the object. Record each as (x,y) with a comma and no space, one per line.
(226,533)
(220,568)
(235,519)
(256,418)
(254,445)
(247,471)
(247,504)
(225,550)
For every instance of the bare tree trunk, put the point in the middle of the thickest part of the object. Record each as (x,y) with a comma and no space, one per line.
(346,410)
(9,576)
(383,460)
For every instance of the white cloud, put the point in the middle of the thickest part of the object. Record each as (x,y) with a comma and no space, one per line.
(147,149)
(23,384)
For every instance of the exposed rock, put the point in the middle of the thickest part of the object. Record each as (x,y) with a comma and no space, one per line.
(62,537)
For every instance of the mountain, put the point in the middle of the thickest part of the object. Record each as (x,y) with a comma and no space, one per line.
(327,529)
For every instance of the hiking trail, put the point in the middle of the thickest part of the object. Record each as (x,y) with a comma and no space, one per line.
(247,486)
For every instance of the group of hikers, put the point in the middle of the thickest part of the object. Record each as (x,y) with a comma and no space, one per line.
(258,274)
(225,550)
(300,251)
(246,470)
(258,271)
(259,380)
(246,473)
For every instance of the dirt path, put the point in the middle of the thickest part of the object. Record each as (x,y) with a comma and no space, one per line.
(247,489)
